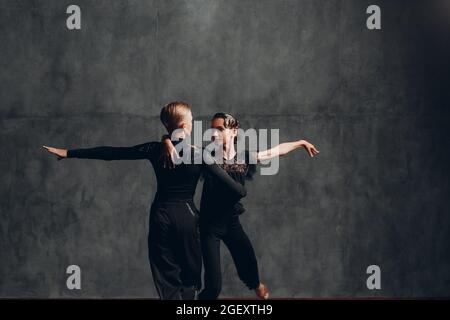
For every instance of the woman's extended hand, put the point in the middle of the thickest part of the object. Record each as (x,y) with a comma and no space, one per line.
(60,153)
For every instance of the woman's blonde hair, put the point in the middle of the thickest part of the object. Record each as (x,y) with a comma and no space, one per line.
(173,114)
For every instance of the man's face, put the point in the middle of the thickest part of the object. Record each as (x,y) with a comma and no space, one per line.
(222,135)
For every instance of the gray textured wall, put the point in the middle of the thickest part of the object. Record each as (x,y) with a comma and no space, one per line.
(373,102)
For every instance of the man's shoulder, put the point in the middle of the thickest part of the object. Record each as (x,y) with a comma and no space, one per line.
(247,156)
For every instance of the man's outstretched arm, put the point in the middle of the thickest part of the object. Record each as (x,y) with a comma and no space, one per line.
(284,148)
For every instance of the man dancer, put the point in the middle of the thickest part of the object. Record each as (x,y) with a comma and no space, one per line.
(219,219)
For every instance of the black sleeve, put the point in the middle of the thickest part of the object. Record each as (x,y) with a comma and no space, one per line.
(251,160)
(140,151)
(223,177)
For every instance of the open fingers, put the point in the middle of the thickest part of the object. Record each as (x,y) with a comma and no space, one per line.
(50,149)
(312,150)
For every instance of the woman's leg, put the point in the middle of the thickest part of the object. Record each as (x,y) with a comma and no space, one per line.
(174,251)
(164,265)
(188,247)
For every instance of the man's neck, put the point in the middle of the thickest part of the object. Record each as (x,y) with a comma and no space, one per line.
(229,151)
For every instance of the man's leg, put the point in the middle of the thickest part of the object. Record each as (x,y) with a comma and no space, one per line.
(211,260)
(244,257)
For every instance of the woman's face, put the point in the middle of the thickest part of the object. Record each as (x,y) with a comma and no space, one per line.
(188,123)
(222,135)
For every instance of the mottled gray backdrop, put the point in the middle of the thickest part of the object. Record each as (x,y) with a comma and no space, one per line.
(375,103)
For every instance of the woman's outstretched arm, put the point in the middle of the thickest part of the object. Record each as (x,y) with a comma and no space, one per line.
(140,151)
(284,148)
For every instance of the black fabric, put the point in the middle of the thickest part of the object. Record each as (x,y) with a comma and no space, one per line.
(174,249)
(219,220)
(218,200)
(173,184)
(173,242)
(241,250)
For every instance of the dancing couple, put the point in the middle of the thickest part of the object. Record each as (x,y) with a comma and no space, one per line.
(181,236)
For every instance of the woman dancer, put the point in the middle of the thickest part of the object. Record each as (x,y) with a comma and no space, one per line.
(173,241)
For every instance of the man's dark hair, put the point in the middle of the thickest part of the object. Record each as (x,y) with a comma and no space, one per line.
(229,121)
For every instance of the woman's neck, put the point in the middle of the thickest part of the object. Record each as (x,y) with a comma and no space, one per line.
(177,135)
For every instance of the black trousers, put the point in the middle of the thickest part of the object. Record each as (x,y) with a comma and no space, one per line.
(240,247)
(174,249)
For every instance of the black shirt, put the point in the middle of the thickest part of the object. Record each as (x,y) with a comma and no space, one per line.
(213,205)
(172,184)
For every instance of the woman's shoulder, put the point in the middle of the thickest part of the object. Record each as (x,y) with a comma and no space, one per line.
(148,146)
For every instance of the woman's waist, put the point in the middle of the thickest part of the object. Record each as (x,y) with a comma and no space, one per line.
(173,195)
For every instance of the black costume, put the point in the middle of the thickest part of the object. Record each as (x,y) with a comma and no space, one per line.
(173,241)
(219,220)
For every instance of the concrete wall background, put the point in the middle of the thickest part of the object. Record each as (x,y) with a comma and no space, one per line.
(375,103)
